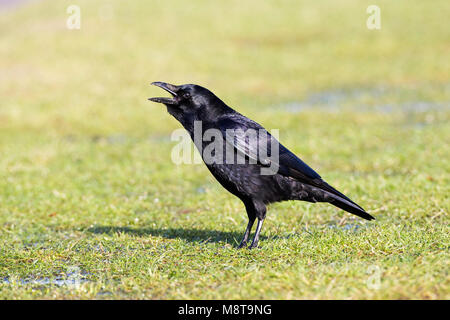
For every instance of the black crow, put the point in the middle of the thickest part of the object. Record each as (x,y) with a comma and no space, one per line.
(286,176)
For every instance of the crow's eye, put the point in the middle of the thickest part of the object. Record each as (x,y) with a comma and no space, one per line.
(186,95)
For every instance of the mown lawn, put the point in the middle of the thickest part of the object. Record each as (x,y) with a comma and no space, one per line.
(91,205)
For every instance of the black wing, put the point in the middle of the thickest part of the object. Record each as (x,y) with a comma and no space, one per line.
(253,141)
(261,148)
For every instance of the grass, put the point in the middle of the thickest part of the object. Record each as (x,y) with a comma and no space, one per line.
(86,181)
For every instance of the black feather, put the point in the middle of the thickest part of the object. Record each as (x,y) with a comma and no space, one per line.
(293,179)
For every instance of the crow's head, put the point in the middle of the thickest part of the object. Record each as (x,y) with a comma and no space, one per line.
(191,102)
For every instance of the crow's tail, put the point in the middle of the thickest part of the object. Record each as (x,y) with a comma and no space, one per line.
(350,207)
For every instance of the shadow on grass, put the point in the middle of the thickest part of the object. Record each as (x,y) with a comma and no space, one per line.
(190,235)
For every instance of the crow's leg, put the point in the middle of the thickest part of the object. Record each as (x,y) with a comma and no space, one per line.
(258,231)
(251,213)
(261,215)
(247,233)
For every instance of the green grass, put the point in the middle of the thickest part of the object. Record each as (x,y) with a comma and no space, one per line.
(86,179)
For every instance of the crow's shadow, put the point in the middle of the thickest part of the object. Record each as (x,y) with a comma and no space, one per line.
(191,235)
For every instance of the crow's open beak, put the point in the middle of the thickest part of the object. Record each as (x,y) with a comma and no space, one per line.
(172,89)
